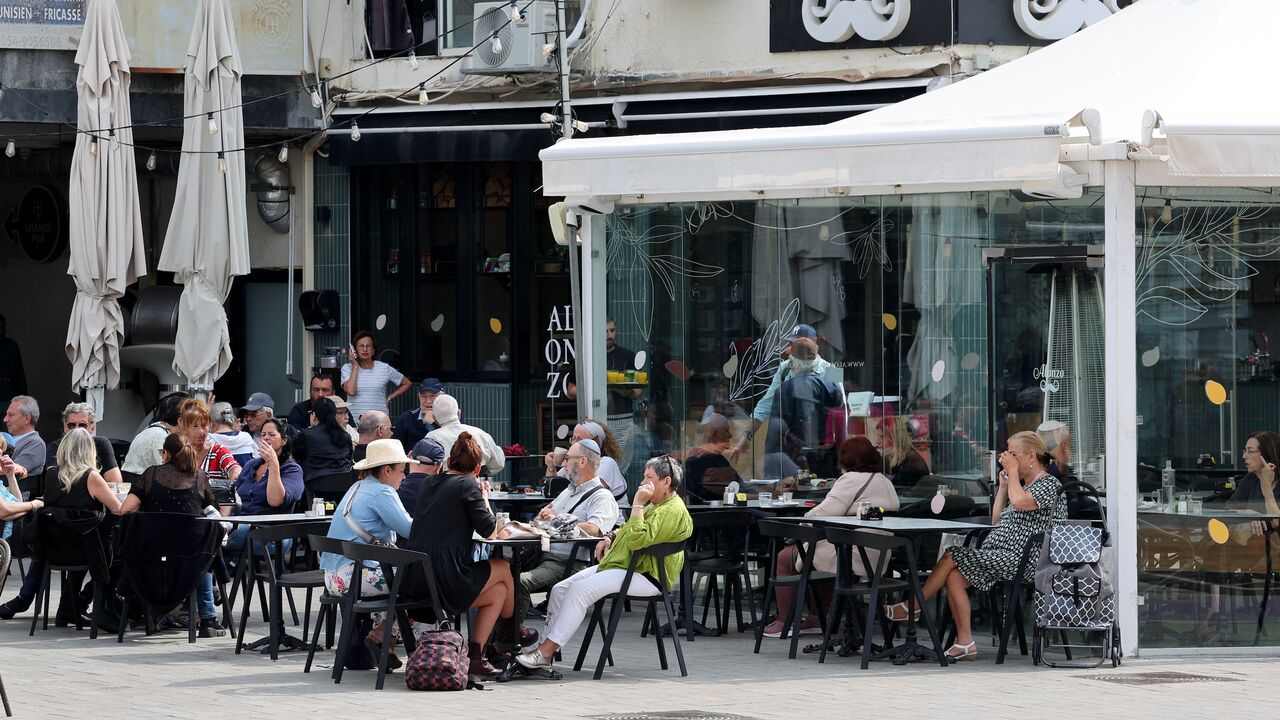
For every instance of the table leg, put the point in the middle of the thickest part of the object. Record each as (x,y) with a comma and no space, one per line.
(910,649)
(513,668)
(1266,591)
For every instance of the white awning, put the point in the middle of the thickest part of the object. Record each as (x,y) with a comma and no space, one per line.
(1194,62)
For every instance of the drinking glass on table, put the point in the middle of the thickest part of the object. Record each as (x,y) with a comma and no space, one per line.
(766,499)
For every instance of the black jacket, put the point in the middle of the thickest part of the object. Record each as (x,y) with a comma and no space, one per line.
(1249,495)
(319,455)
(409,429)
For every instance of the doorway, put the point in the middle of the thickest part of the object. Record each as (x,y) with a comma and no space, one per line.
(1046,327)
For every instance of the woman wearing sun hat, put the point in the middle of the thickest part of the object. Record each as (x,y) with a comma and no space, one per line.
(371,509)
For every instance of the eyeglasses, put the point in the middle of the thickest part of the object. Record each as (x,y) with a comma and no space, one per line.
(73,426)
(574,457)
(1252,451)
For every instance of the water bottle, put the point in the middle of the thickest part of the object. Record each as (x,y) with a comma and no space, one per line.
(317,507)
(1168,480)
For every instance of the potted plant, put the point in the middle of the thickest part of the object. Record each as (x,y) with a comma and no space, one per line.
(552,261)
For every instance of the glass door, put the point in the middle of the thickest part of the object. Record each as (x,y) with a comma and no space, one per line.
(1046,331)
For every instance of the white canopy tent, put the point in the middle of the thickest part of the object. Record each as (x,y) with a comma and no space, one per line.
(1186,61)
(1163,93)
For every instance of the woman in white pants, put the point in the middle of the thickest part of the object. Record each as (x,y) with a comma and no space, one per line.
(658,516)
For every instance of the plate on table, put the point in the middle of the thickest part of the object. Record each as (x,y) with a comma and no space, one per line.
(787,503)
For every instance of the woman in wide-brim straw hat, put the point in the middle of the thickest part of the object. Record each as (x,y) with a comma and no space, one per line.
(375,512)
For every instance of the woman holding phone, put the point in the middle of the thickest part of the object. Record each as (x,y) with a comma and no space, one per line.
(365,380)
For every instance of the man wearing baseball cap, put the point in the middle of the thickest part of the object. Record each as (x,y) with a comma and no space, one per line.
(413,425)
(764,408)
(427,456)
(257,410)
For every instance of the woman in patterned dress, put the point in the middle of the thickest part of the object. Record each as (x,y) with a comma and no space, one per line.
(1026,503)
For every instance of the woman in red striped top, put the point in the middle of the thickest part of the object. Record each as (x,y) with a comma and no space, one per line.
(193,424)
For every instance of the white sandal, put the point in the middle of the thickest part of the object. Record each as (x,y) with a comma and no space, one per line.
(968,651)
(892,612)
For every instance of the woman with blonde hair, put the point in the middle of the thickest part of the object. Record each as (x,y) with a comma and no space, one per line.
(1026,503)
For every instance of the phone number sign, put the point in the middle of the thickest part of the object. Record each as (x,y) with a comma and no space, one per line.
(41,24)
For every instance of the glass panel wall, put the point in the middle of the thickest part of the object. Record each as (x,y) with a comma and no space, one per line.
(753,338)
(1208,294)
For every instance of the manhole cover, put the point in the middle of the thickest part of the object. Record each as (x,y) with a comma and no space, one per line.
(1159,677)
(672,715)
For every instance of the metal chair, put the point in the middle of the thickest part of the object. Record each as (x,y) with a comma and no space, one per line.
(730,562)
(659,552)
(873,587)
(271,538)
(329,604)
(806,537)
(392,561)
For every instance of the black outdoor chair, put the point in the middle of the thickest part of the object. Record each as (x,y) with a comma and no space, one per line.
(329,604)
(276,579)
(848,586)
(806,537)
(329,487)
(163,556)
(70,552)
(659,553)
(728,534)
(392,561)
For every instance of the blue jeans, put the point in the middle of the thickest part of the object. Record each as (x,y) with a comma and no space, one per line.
(204,597)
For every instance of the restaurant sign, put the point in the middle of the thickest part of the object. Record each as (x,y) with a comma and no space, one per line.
(269,32)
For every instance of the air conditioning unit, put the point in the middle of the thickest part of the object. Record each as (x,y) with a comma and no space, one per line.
(518,47)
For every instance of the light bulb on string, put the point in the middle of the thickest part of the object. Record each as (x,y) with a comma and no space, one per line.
(516,14)
(222,163)
(316,102)
(497,43)
(115,139)
(413,60)
(355,131)
(11,148)
(422,94)
(284,153)
(580,126)
(151,161)
(548,49)
(93,146)
(213,125)
(1166,213)
(547,118)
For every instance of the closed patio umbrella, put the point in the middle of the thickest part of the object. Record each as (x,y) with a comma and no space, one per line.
(207,242)
(107,253)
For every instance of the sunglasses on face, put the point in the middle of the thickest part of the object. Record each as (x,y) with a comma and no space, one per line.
(73,426)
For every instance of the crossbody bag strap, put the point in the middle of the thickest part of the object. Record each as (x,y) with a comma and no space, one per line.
(862,490)
(583,499)
(356,528)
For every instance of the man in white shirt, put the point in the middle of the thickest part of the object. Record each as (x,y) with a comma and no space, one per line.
(448,415)
(588,500)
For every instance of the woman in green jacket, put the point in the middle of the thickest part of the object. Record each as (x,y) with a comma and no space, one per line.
(658,516)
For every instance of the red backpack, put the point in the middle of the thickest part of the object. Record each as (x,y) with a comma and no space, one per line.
(439,662)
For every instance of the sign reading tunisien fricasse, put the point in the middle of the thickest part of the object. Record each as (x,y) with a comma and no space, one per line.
(269,32)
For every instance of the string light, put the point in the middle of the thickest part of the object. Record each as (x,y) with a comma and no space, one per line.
(422,94)
(548,49)
(413,60)
(517,15)
(580,126)
(547,118)
(284,153)
(222,163)
(316,100)
(115,141)
(1166,213)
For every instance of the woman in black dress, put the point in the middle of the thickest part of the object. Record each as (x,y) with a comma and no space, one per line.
(178,485)
(324,452)
(451,508)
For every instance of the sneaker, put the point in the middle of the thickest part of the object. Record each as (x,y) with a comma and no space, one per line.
(533,659)
(808,626)
(375,653)
(13,607)
(211,628)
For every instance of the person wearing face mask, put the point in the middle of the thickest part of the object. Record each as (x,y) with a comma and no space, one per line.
(796,360)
